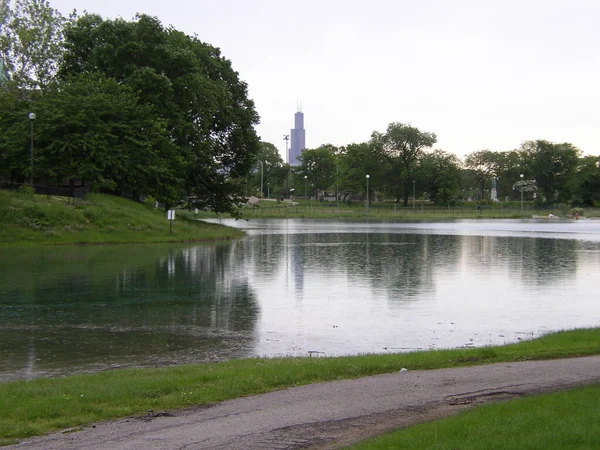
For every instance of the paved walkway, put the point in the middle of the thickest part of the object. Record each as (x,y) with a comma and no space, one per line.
(330,414)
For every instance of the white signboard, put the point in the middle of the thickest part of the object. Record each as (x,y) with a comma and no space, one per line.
(171,214)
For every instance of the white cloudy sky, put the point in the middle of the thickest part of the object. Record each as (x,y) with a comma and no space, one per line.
(480,74)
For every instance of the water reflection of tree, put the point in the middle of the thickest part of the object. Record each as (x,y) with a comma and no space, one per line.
(101,306)
(407,264)
(534,260)
(544,261)
(398,265)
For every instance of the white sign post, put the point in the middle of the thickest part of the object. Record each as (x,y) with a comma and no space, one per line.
(171,218)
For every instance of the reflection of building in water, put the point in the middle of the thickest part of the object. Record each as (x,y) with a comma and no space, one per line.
(294,266)
(297,268)
(294,261)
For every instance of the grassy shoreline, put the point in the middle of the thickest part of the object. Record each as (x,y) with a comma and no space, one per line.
(271,209)
(28,220)
(36,407)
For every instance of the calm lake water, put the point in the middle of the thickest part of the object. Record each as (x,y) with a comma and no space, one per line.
(293,287)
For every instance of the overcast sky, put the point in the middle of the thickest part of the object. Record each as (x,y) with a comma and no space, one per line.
(480,74)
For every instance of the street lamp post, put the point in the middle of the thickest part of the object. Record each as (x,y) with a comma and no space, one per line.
(522,176)
(337,177)
(261,178)
(305,178)
(31,119)
(286,138)
(414,191)
(367,200)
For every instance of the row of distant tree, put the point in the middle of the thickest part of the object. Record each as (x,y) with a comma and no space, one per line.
(133,106)
(400,162)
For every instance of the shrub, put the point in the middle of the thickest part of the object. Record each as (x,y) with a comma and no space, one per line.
(150,201)
(578,211)
(27,191)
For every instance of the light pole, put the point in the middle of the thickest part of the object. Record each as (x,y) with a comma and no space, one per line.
(261,178)
(305,178)
(367,203)
(337,178)
(286,138)
(414,184)
(31,119)
(522,176)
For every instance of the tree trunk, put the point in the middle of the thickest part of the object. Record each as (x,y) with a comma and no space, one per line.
(405,201)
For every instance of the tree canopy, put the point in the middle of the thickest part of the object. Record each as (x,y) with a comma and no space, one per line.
(402,145)
(133,106)
(188,84)
(552,166)
(319,166)
(30,42)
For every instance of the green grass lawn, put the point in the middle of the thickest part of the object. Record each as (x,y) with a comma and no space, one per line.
(29,219)
(564,420)
(388,211)
(29,408)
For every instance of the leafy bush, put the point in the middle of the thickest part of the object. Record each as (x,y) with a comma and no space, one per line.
(577,211)
(150,201)
(27,191)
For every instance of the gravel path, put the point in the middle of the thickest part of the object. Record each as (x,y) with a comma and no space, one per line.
(328,415)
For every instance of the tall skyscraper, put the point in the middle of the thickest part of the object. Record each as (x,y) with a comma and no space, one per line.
(298,138)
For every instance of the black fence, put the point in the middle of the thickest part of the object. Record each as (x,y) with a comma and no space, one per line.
(58,190)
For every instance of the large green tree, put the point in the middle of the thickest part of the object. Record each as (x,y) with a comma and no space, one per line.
(273,170)
(484,165)
(553,166)
(30,43)
(356,162)
(92,129)
(439,176)
(318,165)
(402,145)
(189,85)
(586,186)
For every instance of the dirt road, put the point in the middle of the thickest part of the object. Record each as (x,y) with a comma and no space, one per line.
(331,414)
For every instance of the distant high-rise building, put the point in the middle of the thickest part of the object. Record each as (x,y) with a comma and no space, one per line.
(298,138)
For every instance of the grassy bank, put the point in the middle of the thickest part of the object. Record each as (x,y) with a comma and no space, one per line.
(35,407)
(30,219)
(389,211)
(552,422)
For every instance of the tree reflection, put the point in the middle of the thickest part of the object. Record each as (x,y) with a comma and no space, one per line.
(89,308)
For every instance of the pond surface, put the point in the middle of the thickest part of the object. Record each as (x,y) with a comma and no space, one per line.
(294,287)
